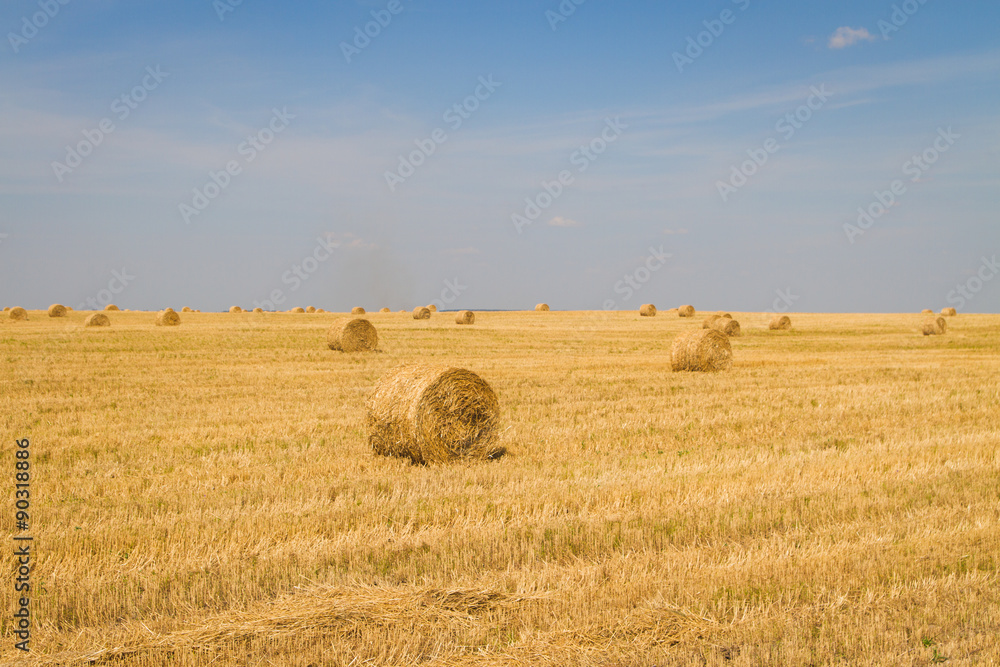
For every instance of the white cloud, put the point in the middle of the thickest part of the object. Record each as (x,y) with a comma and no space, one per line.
(846,36)
(559,221)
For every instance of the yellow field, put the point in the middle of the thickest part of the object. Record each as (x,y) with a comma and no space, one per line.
(204,494)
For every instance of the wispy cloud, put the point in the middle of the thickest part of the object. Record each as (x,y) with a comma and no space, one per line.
(559,221)
(846,36)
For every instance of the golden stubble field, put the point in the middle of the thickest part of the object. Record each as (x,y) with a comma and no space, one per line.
(204,494)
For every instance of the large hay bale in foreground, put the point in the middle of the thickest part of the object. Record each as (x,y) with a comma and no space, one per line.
(950,312)
(935,327)
(542,307)
(352,335)
(97,320)
(701,350)
(727,325)
(926,311)
(421,313)
(18,314)
(57,310)
(780,323)
(465,317)
(686,311)
(167,318)
(235,309)
(433,414)
(111,306)
(647,310)
(357,310)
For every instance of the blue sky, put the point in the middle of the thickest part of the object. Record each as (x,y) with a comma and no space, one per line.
(311,217)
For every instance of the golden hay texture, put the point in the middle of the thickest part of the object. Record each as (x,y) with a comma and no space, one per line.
(186,309)
(686,311)
(950,312)
(97,320)
(465,317)
(926,311)
(320,310)
(6,309)
(297,309)
(69,308)
(167,318)
(235,309)
(935,327)
(727,325)
(647,310)
(710,320)
(357,310)
(421,313)
(701,350)
(311,309)
(258,310)
(433,414)
(431,307)
(18,314)
(352,335)
(111,306)
(384,310)
(542,307)
(780,323)
(57,310)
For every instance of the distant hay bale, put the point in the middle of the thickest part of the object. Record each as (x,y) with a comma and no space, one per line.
(57,310)
(384,310)
(69,308)
(18,314)
(542,307)
(167,318)
(950,312)
(311,309)
(701,350)
(235,309)
(186,309)
(320,310)
(686,311)
(432,414)
(710,320)
(926,311)
(258,310)
(357,310)
(168,309)
(97,320)
(297,309)
(780,323)
(647,310)
(431,307)
(465,317)
(111,306)
(726,325)
(935,327)
(6,309)
(421,313)
(352,335)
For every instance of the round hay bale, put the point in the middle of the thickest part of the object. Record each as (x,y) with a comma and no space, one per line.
(320,310)
(431,307)
(111,306)
(186,309)
(352,335)
(57,310)
(384,310)
(780,323)
(647,310)
(926,311)
(542,307)
(935,327)
(432,414)
(18,314)
(685,311)
(167,318)
(950,312)
(311,309)
(297,309)
(465,317)
(701,350)
(258,310)
(357,310)
(709,321)
(235,309)
(6,309)
(168,309)
(421,313)
(726,325)
(69,308)
(97,320)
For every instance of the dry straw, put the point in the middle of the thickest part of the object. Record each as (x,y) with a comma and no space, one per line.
(780,323)
(726,325)
(6,309)
(701,350)
(111,306)
(57,310)
(18,314)
(710,321)
(950,312)
(167,318)
(431,307)
(935,327)
(421,313)
(647,310)
(297,309)
(258,310)
(352,335)
(542,307)
(186,309)
(320,310)
(384,310)
(235,309)
(357,310)
(97,320)
(311,309)
(926,311)
(465,317)
(433,414)
(685,311)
